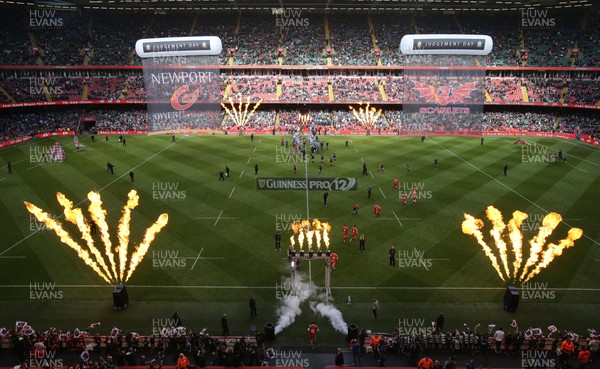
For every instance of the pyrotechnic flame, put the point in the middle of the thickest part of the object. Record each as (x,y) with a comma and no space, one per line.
(313,232)
(556,250)
(538,257)
(301,238)
(326,229)
(472,227)
(98,214)
(296,226)
(65,238)
(516,239)
(76,217)
(549,223)
(309,238)
(367,116)
(240,115)
(99,217)
(498,226)
(143,247)
(123,233)
(318,238)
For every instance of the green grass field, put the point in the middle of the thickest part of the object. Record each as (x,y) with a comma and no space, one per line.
(224,232)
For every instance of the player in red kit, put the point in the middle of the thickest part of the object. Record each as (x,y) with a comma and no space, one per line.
(354,233)
(345,230)
(414,195)
(334,259)
(404,198)
(312,333)
(396,184)
(376,210)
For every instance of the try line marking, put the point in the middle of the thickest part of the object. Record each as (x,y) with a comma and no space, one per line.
(84,200)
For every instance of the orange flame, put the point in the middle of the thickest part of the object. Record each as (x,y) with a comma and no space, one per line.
(239,114)
(367,116)
(123,232)
(538,257)
(498,226)
(143,247)
(554,251)
(516,239)
(549,223)
(99,216)
(472,227)
(326,230)
(76,217)
(65,238)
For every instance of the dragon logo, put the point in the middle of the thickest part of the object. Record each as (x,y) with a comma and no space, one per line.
(444,95)
(182,98)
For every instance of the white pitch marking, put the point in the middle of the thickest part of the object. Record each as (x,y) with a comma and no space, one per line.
(231,193)
(241,174)
(380,190)
(100,190)
(393,212)
(508,188)
(219,217)
(197,257)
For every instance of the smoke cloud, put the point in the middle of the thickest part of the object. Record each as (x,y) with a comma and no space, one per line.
(294,292)
(330,312)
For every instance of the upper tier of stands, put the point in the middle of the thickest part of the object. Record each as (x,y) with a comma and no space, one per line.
(18,86)
(262,39)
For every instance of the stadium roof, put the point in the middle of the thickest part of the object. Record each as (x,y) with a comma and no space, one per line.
(307,5)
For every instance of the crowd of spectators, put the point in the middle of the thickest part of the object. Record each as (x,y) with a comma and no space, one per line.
(353,89)
(256,39)
(351,40)
(43,85)
(304,89)
(20,125)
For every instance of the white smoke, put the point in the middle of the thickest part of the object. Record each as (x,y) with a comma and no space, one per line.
(329,311)
(295,291)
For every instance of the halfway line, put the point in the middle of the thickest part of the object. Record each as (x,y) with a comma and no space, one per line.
(380,190)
